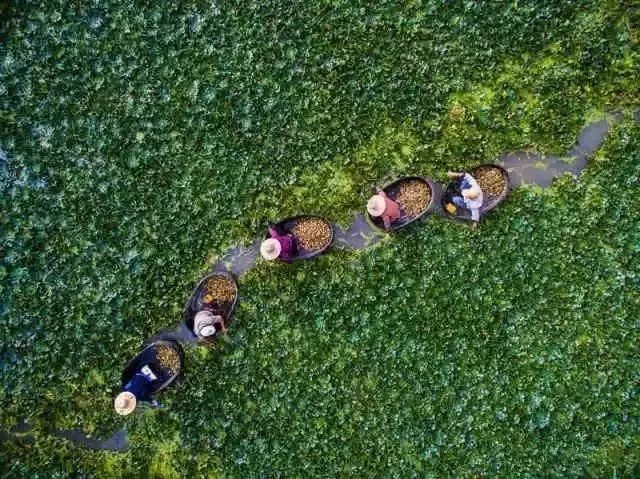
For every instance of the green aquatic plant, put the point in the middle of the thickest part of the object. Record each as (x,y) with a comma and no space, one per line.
(138,142)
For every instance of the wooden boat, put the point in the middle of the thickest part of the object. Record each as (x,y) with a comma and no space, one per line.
(148,356)
(196,302)
(490,201)
(286,226)
(392,190)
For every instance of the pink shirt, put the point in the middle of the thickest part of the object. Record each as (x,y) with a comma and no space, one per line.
(286,244)
(391,210)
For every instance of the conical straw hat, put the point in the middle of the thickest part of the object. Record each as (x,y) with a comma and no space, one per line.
(125,403)
(376,205)
(270,249)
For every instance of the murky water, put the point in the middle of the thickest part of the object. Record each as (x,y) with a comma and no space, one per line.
(181,334)
(239,259)
(359,235)
(531,168)
(117,442)
(524,167)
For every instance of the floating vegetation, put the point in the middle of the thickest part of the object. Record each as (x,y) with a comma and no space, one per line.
(176,129)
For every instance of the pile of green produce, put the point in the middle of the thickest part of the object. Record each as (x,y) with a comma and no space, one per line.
(138,142)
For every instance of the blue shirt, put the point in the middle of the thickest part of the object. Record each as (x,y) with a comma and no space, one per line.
(465,184)
(140,387)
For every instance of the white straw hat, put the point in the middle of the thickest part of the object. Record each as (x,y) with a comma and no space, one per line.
(376,206)
(125,403)
(208,330)
(270,249)
(203,323)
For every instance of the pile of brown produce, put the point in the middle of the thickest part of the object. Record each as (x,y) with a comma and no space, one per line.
(312,233)
(414,197)
(168,358)
(219,289)
(490,180)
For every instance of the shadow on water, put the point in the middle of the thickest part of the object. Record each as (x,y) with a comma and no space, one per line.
(524,167)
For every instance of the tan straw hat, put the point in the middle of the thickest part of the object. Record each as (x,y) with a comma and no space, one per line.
(125,403)
(376,206)
(270,249)
(203,323)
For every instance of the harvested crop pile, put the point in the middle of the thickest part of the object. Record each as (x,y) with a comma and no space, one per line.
(219,289)
(312,233)
(414,197)
(490,180)
(168,358)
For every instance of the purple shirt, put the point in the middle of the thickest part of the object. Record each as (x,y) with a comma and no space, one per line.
(286,244)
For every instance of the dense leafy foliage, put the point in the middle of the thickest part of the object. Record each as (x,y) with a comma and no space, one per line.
(136,143)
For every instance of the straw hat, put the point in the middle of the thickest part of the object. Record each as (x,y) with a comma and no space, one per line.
(208,319)
(270,249)
(376,205)
(208,330)
(125,403)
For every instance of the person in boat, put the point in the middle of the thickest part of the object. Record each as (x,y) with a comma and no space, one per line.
(470,196)
(279,246)
(207,324)
(139,388)
(381,206)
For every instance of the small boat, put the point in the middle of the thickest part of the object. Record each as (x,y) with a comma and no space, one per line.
(148,356)
(392,190)
(196,302)
(286,226)
(490,201)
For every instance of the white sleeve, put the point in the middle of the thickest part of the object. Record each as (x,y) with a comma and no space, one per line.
(146,370)
(471,180)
